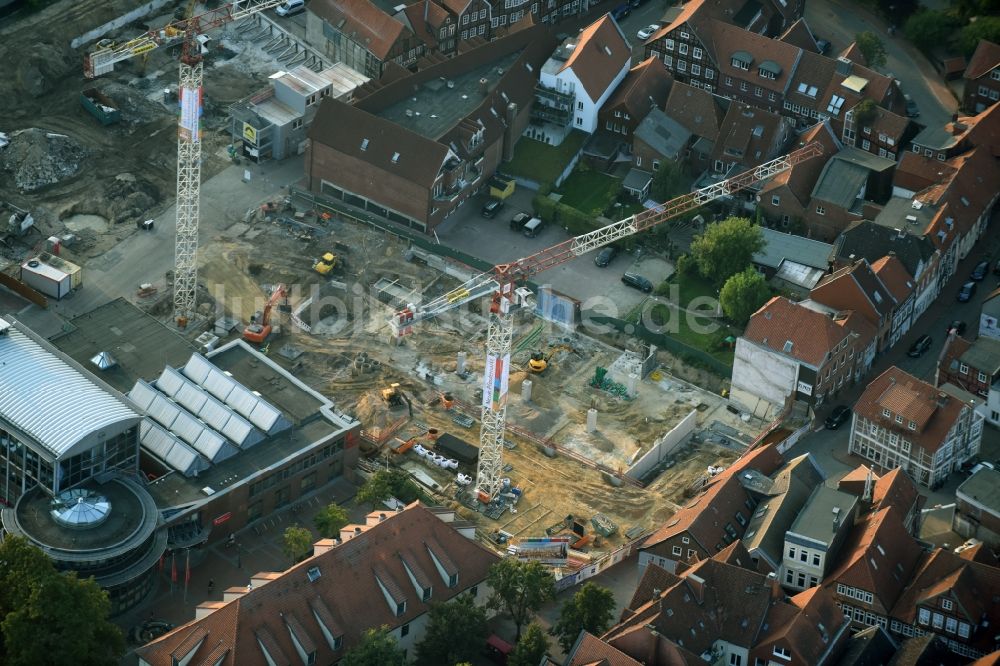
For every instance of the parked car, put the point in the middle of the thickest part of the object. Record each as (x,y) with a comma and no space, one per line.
(606,256)
(922,344)
(837,417)
(621,11)
(290,8)
(912,110)
(958,326)
(966,293)
(518,221)
(979,272)
(492,207)
(648,31)
(823,46)
(533,227)
(638,282)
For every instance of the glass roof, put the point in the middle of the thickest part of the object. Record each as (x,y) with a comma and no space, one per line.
(80,508)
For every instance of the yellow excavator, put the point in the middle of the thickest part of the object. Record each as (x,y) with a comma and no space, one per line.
(325,264)
(539,361)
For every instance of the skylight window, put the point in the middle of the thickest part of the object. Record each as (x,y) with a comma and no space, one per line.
(364,144)
(395,158)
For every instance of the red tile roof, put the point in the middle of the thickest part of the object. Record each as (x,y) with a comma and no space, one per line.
(801,178)
(798,34)
(363,21)
(916,172)
(725,39)
(591,650)
(646,86)
(779,322)
(755,134)
(855,288)
(879,556)
(896,489)
(985,59)
(914,400)
(894,276)
(696,110)
(346,597)
(600,54)
(806,626)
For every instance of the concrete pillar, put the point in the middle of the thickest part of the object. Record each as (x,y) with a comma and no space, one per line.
(591,420)
(460,366)
(632,384)
(526,390)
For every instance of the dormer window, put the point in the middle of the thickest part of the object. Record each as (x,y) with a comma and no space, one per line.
(769,70)
(453,580)
(742,60)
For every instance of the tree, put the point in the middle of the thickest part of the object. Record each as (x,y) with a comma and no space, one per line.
(864,113)
(668,181)
(456,631)
(376,648)
(297,542)
(984,27)
(743,294)
(387,483)
(330,519)
(531,648)
(72,613)
(519,589)
(592,608)
(726,248)
(872,48)
(929,28)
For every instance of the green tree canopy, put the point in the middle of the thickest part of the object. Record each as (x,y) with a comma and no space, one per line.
(534,645)
(519,589)
(387,483)
(929,28)
(592,608)
(377,648)
(51,618)
(726,248)
(297,542)
(984,27)
(668,181)
(872,48)
(456,631)
(864,113)
(743,294)
(330,519)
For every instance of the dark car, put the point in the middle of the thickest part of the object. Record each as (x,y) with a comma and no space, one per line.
(518,221)
(837,417)
(912,110)
(958,326)
(492,207)
(638,282)
(922,344)
(966,293)
(606,256)
(823,46)
(621,11)
(979,272)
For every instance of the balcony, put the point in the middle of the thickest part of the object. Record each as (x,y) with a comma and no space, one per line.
(552,105)
(546,113)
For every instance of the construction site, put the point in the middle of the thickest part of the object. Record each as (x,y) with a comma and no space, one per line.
(601,442)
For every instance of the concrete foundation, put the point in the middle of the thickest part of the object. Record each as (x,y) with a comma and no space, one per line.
(526,390)
(460,364)
(591,420)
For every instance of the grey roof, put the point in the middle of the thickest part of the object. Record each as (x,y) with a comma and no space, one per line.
(637,179)
(49,399)
(983,355)
(815,521)
(935,137)
(799,275)
(984,488)
(663,134)
(865,159)
(840,183)
(779,246)
(772,517)
(899,213)
(871,241)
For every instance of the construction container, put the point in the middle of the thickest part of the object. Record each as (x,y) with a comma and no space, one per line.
(100,106)
(457,448)
(46,279)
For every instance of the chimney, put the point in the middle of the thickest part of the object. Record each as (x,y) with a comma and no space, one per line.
(836,517)
(942,399)
(697,586)
(957,128)
(324,546)
(868,486)
(381,517)
(484,86)
(510,133)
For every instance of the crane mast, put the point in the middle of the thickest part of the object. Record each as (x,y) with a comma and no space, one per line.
(189,94)
(502,283)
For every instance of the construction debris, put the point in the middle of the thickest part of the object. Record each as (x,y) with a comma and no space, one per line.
(38,158)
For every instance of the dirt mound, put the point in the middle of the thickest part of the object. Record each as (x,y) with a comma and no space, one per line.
(129,197)
(41,68)
(38,158)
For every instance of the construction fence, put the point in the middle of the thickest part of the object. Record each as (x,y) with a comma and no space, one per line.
(686,352)
(24,290)
(595,567)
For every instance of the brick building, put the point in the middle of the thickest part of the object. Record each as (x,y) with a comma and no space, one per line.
(982,78)
(415,149)
(644,89)
(971,366)
(858,288)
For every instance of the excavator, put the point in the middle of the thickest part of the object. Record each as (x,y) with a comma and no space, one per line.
(394,397)
(539,361)
(325,264)
(259,328)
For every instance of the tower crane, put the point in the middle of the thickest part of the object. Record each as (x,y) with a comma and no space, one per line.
(503,283)
(189,93)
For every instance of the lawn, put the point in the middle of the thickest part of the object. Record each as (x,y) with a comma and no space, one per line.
(589,192)
(541,162)
(680,329)
(690,287)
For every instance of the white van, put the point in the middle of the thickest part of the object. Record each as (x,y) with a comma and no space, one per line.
(533,226)
(290,8)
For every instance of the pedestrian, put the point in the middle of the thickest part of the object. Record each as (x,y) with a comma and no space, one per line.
(211,585)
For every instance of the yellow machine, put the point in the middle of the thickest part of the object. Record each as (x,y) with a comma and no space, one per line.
(325,264)
(394,397)
(539,362)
